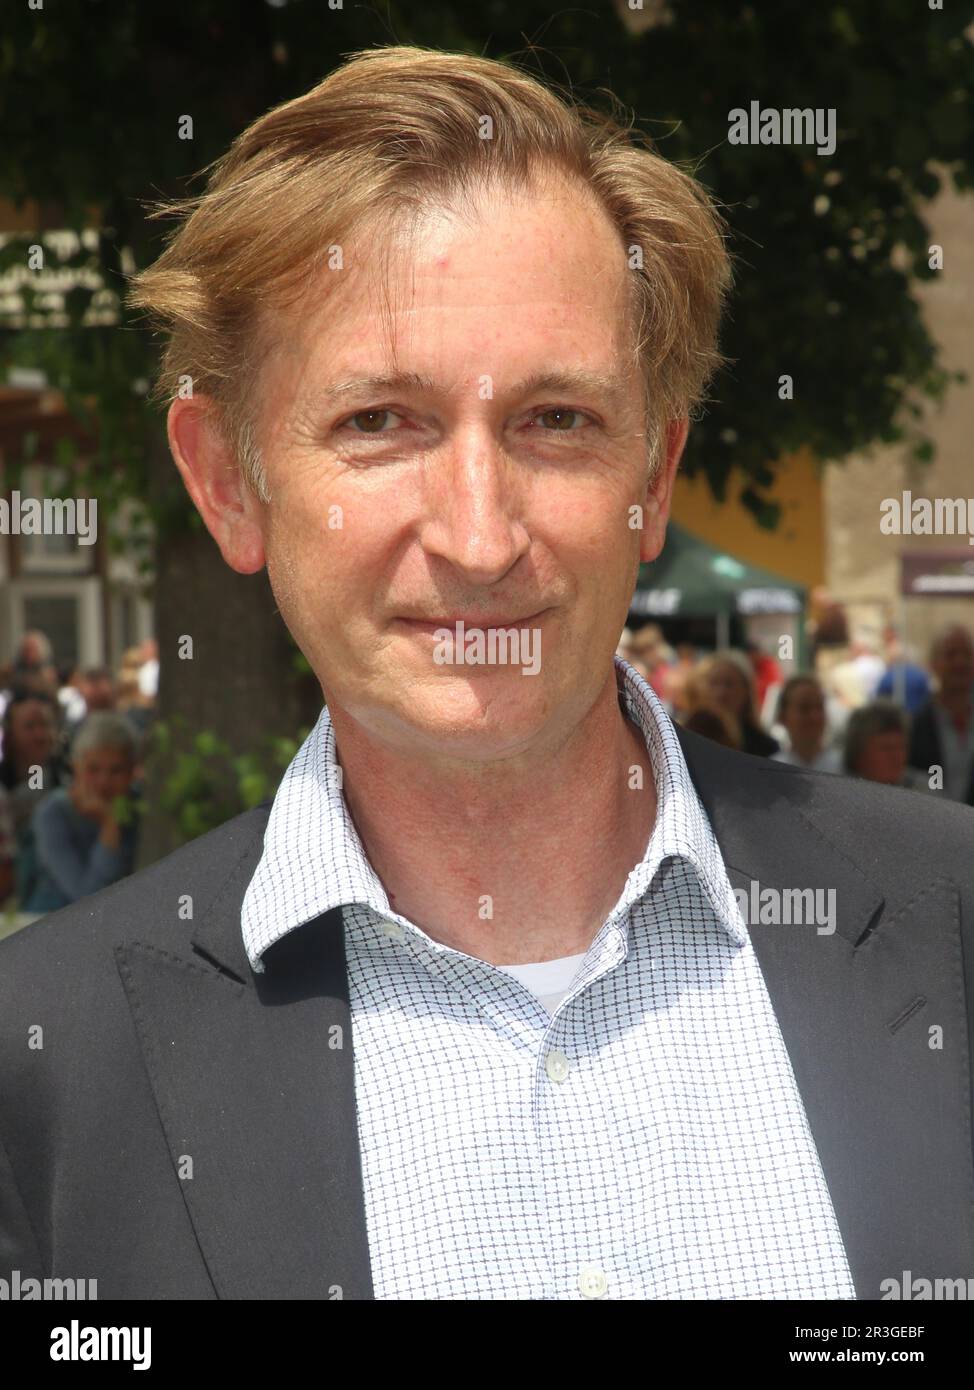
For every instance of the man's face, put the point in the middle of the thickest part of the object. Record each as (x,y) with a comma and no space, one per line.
(479,463)
(99,692)
(954,662)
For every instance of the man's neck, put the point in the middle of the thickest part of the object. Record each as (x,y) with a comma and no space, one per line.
(512,862)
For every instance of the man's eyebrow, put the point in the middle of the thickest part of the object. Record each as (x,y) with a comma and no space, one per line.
(374,385)
(569,382)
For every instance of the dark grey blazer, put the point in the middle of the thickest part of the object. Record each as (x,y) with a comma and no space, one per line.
(161,1048)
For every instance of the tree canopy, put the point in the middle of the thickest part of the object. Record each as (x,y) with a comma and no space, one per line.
(828,249)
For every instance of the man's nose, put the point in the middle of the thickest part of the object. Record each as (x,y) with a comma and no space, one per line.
(473,510)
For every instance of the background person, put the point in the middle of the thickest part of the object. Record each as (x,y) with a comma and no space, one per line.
(149,670)
(81,844)
(801,712)
(87,690)
(652,658)
(34,668)
(32,768)
(134,700)
(700,711)
(681,672)
(768,678)
(730,681)
(714,724)
(33,763)
(943,730)
(876,746)
(903,680)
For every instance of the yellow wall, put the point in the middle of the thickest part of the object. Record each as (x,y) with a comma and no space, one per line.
(795,550)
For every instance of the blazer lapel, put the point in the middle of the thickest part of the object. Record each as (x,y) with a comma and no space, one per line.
(873,1018)
(254,1083)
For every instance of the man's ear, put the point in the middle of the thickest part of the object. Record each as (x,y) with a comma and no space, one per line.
(659,491)
(214,480)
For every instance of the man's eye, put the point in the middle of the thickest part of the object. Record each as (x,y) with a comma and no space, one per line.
(371,421)
(561,418)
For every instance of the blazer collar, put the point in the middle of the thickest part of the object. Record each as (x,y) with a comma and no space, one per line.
(254,1084)
(768,835)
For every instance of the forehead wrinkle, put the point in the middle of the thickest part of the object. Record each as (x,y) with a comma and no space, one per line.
(611,386)
(385,250)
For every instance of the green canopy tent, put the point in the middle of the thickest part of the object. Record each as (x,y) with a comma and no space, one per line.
(691,579)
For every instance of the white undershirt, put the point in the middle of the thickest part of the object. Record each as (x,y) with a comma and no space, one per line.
(548,980)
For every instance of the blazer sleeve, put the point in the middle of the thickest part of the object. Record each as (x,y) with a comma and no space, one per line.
(18,1244)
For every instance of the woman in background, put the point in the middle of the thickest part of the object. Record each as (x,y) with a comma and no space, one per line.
(730,682)
(876,746)
(801,710)
(32,760)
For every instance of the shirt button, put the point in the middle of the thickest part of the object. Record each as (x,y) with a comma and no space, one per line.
(556,1065)
(592,1282)
(393,930)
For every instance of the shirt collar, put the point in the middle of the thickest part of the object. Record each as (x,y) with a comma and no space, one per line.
(313,859)
(682,829)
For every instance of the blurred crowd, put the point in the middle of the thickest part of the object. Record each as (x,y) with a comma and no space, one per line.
(885,717)
(72,743)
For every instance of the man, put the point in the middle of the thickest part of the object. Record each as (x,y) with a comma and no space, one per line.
(903,680)
(473,1010)
(34,666)
(943,729)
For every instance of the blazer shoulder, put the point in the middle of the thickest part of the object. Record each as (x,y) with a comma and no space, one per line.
(902,806)
(142,904)
(891,832)
(903,840)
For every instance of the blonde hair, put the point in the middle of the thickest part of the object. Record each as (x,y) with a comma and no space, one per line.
(390,132)
(738,662)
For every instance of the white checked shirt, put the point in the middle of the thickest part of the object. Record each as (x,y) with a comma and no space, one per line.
(645,1141)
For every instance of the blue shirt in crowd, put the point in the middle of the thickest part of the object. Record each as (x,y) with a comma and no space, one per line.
(71,860)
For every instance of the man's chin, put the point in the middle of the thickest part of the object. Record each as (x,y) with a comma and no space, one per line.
(481,717)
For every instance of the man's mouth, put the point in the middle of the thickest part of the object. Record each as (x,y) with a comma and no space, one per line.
(471,621)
